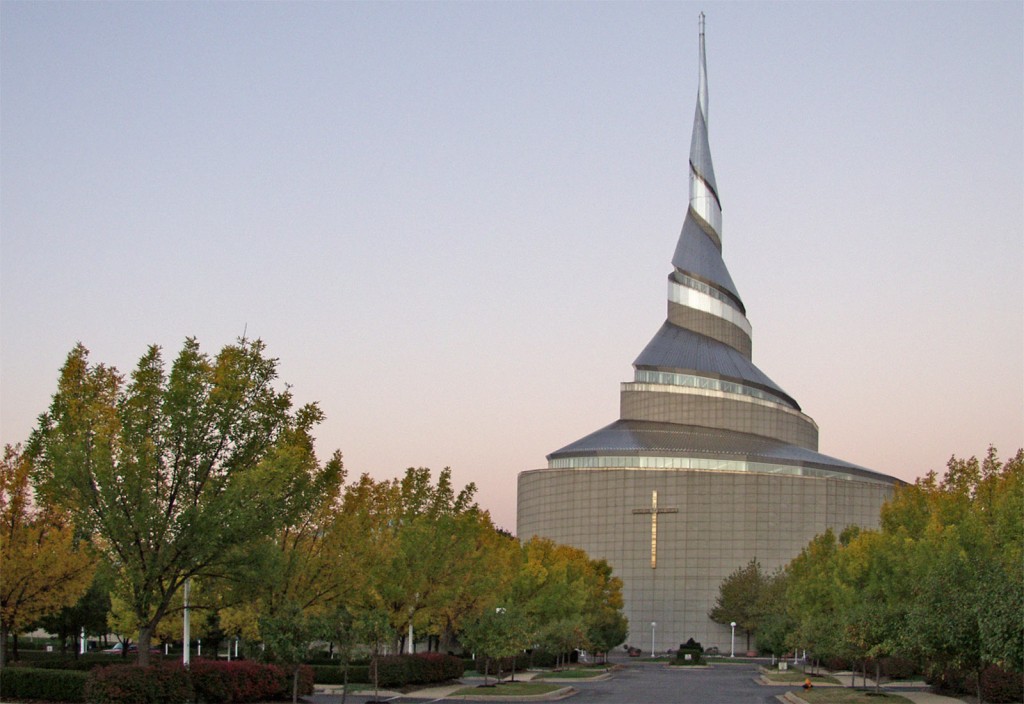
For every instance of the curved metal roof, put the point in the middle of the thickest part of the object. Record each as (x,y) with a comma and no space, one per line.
(677,349)
(632,437)
(700,151)
(697,254)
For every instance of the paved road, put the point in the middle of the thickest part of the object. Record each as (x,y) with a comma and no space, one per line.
(652,684)
(657,684)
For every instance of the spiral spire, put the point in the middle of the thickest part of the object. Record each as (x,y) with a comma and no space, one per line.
(703,190)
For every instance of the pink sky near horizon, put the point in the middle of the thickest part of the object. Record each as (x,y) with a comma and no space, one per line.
(453,222)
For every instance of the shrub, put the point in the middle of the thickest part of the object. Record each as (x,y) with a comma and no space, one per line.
(38,683)
(692,648)
(245,681)
(898,668)
(422,668)
(82,663)
(155,684)
(334,674)
(305,683)
(999,685)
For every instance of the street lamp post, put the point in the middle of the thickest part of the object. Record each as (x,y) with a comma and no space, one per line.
(732,645)
(653,626)
(185,655)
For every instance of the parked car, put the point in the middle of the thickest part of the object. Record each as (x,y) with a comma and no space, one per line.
(119,648)
(132,648)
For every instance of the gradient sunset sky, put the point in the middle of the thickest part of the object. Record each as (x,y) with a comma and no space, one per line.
(453,222)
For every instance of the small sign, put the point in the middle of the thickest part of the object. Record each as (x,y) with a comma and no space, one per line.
(49,648)
(688,656)
(783,665)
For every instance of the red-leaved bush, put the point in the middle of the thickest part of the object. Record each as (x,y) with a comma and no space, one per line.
(245,681)
(206,681)
(156,684)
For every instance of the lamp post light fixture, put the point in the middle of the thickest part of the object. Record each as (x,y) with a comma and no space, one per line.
(732,644)
(653,626)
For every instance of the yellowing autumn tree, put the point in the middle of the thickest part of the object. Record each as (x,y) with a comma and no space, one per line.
(176,474)
(42,567)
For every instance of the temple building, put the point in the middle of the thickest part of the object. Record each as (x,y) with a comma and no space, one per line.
(710,464)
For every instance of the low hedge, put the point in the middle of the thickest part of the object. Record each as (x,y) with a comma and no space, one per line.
(334,674)
(245,681)
(153,684)
(40,683)
(207,681)
(83,663)
(421,668)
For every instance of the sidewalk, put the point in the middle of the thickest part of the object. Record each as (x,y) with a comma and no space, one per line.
(916,697)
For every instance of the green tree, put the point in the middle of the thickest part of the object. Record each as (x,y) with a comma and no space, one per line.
(372,626)
(777,624)
(741,599)
(288,633)
(966,605)
(497,633)
(44,567)
(173,476)
(88,613)
(607,630)
(812,599)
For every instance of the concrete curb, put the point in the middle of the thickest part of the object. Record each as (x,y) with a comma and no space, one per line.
(596,678)
(791,698)
(561,693)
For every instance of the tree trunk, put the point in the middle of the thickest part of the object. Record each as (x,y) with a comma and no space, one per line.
(344,682)
(295,684)
(878,676)
(14,646)
(3,644)
(145,635)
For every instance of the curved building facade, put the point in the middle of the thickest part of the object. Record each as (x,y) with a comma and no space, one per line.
(710,464)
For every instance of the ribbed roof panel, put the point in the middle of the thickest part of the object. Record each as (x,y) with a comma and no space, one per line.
(697,254)
(700,151)
(631,437)
(677,349)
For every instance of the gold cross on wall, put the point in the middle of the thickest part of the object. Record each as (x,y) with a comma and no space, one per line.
(654,511)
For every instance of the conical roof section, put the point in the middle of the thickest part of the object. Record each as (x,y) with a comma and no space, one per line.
(697,401)
(699,251)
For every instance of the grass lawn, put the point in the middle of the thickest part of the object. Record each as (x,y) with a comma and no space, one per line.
(508,689)
(842,695)
(797,676)
(581,673)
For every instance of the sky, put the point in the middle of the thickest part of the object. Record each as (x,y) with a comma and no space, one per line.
(453,222)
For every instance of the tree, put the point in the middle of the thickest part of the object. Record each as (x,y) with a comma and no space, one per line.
(287,634)
(940,582)
(371,625)
(741,598)
(89,613)
(45,568)
(173,476)
(776,622)
(966,605)
(497,633)
(304,565)
(812,598)
(606,630)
